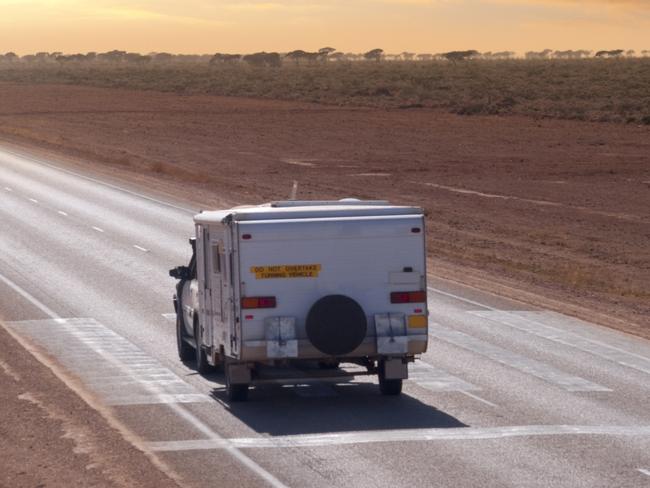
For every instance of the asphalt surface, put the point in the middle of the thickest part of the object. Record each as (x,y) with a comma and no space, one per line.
(507,395)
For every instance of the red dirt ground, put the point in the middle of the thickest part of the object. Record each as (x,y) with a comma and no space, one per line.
(554,212)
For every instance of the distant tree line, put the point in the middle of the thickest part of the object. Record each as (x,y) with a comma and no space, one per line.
(301,57)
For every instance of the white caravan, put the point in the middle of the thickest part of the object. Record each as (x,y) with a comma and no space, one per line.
(287,291)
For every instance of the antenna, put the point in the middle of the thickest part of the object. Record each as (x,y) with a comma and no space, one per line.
(294,190)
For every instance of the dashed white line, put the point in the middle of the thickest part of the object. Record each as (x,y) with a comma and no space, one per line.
(139,248)
(478,398)
(33,200)
(61,212)
(98,229)
(644,471)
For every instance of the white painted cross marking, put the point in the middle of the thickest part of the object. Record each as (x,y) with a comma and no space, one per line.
(513,360)
(402,435)
(80,342)
(533,323)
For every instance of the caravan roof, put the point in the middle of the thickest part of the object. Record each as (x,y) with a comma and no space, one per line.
(306,209)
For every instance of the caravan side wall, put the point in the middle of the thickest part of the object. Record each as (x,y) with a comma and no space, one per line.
(300,261)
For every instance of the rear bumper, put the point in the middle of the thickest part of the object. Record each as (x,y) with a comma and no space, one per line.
(258,350)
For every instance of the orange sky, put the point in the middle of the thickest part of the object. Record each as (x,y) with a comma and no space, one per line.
(207,26)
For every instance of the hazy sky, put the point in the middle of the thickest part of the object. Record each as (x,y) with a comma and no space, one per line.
(207,26)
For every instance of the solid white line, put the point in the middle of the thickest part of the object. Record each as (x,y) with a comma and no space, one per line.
(33,200)
(99,182)
(644,471)
(140,248)
(34,301)
(61,212)
(97,229)
(440,292)
(476,397)
(402,435)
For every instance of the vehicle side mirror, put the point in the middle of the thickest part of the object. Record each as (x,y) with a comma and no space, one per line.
(180,273)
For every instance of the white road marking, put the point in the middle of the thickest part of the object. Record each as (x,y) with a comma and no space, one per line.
(33,300)
(98,229)
(33,200)
(61,212)
(105,343)
(478,398)
(533,323)
(169,316)
(139,248)
(8,189)
(526,365)
(436,379)
(462,299)
(402,435)
(644,471)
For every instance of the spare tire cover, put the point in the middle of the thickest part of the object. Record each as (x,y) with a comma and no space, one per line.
(336,325)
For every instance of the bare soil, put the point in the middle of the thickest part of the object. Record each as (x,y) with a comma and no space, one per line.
(50,437)
(556,213)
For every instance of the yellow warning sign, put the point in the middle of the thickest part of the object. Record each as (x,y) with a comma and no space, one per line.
(286,271)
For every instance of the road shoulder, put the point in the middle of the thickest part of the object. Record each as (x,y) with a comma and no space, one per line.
(50,436)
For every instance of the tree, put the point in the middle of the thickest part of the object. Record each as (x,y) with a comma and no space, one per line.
(460,55)
(374,55)
(11,57)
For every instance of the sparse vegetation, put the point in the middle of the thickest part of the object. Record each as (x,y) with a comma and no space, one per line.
(613,87)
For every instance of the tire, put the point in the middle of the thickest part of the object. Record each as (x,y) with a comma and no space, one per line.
(388,387)
(235,393)
(336,325)
(185,351)
(202,365)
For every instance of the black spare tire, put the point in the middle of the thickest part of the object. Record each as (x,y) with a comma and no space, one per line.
(336,325)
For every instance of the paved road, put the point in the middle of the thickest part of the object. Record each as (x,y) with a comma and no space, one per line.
(506,396)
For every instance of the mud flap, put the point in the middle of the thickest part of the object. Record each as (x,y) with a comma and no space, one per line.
(281,339)
(395,369)
(390,329)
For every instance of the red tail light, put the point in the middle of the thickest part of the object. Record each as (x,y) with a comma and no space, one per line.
(408,297)
(258,302)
